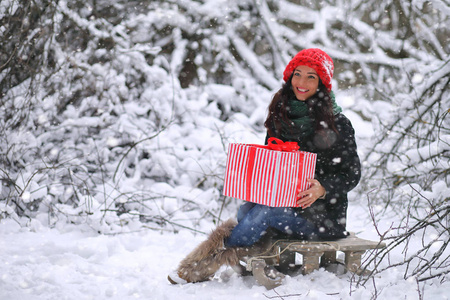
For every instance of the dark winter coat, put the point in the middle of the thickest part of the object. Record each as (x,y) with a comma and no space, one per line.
(338,170)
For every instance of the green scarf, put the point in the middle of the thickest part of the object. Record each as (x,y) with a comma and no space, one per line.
(336,108)
(301,125)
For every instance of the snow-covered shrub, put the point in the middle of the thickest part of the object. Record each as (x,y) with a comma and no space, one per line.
(122,117)
(408,163)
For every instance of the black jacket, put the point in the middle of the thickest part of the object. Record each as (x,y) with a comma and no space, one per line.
(338,169)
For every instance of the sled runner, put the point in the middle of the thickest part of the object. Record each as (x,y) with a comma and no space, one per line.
(268,268)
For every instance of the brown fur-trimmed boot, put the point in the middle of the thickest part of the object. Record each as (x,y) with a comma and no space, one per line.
(209,256)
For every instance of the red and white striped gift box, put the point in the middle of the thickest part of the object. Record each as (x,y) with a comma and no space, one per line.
(271,175)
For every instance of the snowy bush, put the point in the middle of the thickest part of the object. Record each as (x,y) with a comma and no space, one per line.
(115,107)
(407,164)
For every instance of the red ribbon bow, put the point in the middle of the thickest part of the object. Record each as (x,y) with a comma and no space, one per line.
(279,145)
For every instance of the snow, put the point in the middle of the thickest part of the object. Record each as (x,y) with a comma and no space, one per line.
(120,169)
(74,262)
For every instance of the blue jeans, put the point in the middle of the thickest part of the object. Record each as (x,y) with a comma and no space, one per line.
(255,219)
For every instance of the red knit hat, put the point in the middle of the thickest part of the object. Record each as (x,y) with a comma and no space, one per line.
(313,58)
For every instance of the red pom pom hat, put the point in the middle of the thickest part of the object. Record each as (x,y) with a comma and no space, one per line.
(313,58)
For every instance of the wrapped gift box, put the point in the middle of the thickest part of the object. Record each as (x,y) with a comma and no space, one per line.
(271,175)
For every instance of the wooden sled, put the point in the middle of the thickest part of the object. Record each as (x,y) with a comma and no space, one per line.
(269,267)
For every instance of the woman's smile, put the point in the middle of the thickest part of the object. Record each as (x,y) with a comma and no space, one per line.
(302,90)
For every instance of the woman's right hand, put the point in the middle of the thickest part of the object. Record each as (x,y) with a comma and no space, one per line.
(309,196)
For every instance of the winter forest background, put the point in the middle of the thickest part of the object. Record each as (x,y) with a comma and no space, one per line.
(117,114)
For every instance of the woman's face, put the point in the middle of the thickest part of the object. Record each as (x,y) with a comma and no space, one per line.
(305,82)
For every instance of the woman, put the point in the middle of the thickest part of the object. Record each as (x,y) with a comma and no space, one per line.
(303,110)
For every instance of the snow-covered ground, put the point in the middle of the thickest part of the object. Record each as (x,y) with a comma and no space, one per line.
(73,262)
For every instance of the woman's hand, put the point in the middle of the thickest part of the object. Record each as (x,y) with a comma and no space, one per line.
(308,197)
